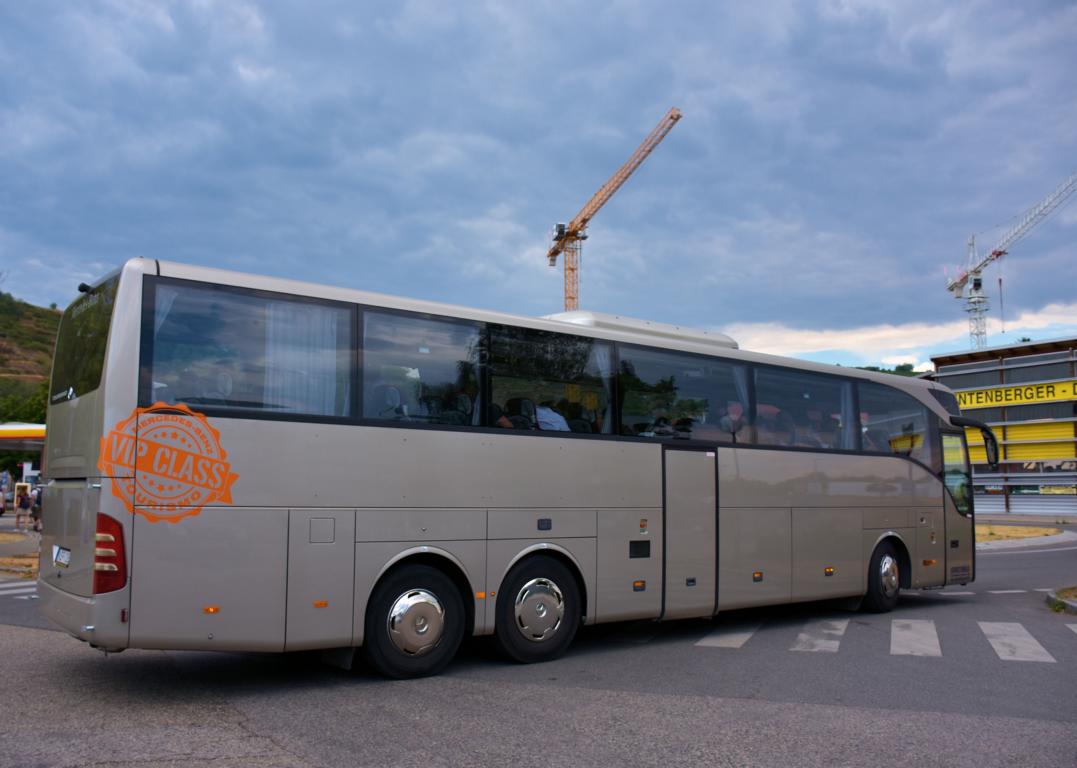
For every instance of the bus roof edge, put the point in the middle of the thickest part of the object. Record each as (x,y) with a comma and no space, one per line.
(603,321)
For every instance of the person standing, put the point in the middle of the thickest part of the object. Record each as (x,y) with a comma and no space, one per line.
(22,509)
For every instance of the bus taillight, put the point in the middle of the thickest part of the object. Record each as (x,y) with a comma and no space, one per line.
(109,560)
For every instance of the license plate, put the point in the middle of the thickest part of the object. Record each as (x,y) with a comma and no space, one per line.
(61,556)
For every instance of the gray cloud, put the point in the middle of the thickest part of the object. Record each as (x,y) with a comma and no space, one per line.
(832,159)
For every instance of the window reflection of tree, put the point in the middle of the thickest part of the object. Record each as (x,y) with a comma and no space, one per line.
(657,409)
(552,370)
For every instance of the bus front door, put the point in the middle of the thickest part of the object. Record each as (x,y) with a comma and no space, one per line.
(957,508)
(691,529)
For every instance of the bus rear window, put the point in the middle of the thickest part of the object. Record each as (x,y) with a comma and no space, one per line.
(80,344)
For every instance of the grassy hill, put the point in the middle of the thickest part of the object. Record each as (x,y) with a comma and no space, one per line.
(27,336)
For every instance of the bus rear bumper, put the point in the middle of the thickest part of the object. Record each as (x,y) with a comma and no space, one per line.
(95,620)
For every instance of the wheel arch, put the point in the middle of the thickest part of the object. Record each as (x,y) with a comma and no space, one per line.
(902,552)
(441,560)
(560,554)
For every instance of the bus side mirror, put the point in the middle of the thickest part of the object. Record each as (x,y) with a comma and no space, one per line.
(990,447)
(990,441)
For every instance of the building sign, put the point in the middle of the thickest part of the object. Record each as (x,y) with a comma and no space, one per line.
(1022,394)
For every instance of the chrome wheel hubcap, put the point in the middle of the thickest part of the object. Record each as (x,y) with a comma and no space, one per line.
(540,606)
(889,577)
(416,622)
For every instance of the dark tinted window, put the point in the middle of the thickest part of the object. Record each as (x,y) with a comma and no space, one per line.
(986,415)
(80,344)
(228,349)
(972,380)
(549,381)
(894,422)
(416,369)
(1038,411)
(667,395)
(948,401)
(1038,373)
(803,409)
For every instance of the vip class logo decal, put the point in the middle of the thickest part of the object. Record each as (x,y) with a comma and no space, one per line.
(178,464)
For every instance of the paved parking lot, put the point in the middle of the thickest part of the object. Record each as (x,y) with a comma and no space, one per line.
(977,676)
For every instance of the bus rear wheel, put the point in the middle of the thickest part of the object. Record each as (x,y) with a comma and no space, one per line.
(538,610)
(884,579)
(414,623)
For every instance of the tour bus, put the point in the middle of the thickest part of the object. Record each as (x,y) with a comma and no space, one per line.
(249,463)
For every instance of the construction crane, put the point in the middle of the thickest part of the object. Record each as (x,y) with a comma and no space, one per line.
(568,238)
(976,303)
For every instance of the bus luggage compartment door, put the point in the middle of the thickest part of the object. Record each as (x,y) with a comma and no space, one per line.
(321,578)
(691,514)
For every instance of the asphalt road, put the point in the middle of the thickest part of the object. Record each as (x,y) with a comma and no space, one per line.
(807,685)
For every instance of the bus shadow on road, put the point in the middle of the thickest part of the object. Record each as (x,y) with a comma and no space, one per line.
(148,676)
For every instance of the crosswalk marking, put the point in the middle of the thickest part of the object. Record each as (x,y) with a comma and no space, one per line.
(1045,589)
(1006,591)
(914,637)
(956,594)
(1012,642)
(821,636)
(729,637)
(908,637)
(20,590)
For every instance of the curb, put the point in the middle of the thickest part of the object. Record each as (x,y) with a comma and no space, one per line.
(1058,604)
(1037,541)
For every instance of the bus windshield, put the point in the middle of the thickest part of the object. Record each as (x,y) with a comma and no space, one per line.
(80,345)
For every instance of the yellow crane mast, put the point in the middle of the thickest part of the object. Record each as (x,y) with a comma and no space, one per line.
(568,238)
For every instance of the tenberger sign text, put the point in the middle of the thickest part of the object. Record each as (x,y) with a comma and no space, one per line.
(1022,394)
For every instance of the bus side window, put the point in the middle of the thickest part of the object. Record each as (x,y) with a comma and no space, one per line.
(803,410)
(894,422)
(419,369)
(550,381)
(236,349)
(669,395)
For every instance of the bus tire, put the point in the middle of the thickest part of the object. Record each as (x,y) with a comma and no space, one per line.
(884,579)
(538,610)
(414,623)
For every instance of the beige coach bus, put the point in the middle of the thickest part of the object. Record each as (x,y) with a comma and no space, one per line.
(248,463)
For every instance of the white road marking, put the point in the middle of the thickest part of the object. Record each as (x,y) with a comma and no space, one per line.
(729,637)
(1048,589)
(19,591)
(956,594)
(1019,551)
(1012,642)
(914,637)
(822,636)
(1006,591)
(1072,626)
(26,597)
(6,585)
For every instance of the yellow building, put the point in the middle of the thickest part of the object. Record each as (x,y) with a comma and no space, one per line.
(1028,394)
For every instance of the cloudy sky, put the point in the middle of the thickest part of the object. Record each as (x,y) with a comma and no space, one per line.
(832,160)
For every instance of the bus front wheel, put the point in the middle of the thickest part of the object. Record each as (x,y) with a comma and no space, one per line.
(884,579)
(538,610)
(414,623)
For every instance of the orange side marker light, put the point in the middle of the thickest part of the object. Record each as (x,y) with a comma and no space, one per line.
(321,603)
(212,609)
